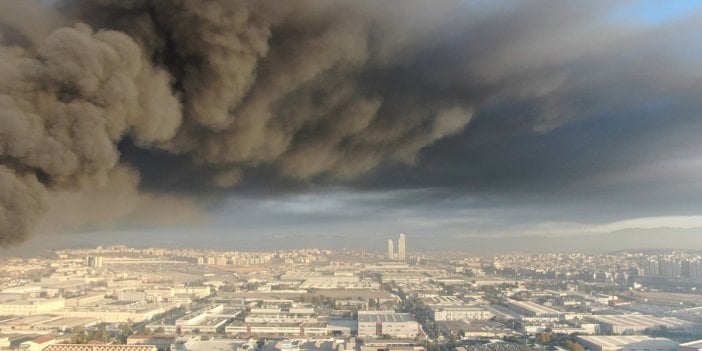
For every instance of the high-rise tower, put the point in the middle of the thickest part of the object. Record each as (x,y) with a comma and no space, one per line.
(391,250)
(401,248)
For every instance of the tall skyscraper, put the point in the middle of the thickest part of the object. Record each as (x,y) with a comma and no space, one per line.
(391,250)
(94,261)
(650,268)
(401,247)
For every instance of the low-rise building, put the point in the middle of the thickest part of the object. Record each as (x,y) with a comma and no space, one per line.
(203,321)
(376,324)
(634,323)
(120,311)
(278,329)
(38,343)
(28,307)
(534,310)
(85,300)
(627,343)
(458,313)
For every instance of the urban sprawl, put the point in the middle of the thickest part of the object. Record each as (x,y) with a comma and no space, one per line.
(118,298)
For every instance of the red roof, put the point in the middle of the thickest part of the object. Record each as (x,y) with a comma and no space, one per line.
(44,338)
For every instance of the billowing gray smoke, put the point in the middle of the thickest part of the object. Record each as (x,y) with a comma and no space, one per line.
(309,88)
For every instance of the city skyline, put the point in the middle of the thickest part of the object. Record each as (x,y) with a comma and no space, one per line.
(470,125)
(475,245)
(120,297)
(370,242)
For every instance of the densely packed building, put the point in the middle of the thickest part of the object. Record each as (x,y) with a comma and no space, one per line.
(190,299)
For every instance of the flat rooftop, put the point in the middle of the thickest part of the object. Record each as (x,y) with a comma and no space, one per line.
(502,311)
(214,345)
(342,323)
(385,317)
(645,342)
(69,322)
(639,320)
(319,324)
(209,321)
(461,308)
(31,320)
(534,307)
(442,300)
(299,275)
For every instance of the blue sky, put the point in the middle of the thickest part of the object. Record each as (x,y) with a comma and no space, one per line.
(653,12)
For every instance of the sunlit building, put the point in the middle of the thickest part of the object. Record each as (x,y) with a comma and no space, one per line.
(391,250)
(401,248)
(381,323)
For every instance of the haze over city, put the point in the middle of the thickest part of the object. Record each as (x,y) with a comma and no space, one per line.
(473,125)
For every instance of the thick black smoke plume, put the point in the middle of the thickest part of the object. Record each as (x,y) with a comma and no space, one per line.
(310,88)
(96,94)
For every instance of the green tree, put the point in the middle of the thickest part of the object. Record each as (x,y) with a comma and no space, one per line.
(79,335)
(100,334)
(372,303)
(125,330)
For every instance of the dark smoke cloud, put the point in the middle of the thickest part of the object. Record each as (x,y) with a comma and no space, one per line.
(230,84)
(196,97)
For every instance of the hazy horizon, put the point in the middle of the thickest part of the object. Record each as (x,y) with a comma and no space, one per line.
(625,240)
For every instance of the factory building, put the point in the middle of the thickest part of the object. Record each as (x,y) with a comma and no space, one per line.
(379,323)
(634,323)
(627,343)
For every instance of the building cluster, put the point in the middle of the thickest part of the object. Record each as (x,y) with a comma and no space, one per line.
(625,267)
(190,300)
(672,267)
(400,255)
